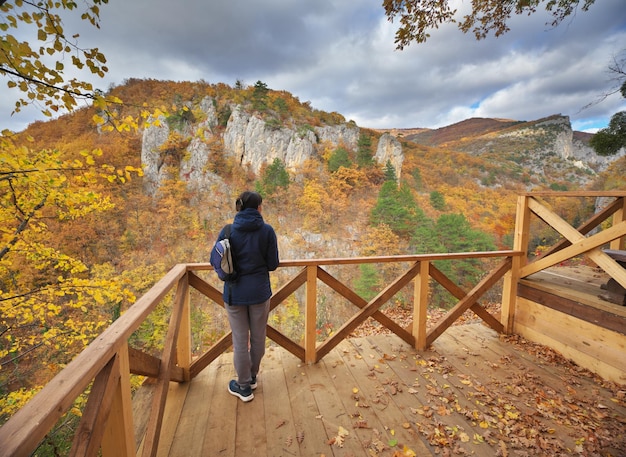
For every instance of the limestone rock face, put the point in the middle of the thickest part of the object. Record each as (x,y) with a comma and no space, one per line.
(194,165)
(152,160)
(567,147)
(252,142)
(339,134)
(390,149)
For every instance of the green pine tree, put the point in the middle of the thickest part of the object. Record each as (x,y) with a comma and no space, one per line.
(364,156)
(339,158)
(367,285)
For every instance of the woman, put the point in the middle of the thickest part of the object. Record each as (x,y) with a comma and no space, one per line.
(247,299)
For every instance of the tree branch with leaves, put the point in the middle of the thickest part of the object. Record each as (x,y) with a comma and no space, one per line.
(418,17)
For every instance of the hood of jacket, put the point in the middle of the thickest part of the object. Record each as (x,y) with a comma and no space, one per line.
(248,220)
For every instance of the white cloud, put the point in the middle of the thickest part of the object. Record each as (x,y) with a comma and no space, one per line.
(340,55)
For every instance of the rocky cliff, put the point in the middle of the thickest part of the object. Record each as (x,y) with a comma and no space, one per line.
(252,142)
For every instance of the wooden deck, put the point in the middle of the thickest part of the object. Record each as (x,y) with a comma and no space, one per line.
(473,393)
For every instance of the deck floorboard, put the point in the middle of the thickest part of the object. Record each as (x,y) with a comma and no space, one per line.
(471,393)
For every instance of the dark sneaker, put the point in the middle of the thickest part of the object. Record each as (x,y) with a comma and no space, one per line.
(244,394)
(253,384)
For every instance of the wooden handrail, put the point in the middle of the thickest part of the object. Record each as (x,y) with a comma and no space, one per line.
(108,404)
(575,241)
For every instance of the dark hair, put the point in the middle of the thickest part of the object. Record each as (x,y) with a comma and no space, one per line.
(248,199)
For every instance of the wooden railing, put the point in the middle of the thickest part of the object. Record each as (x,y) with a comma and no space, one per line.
(104,368)
(585,240)
(107,363)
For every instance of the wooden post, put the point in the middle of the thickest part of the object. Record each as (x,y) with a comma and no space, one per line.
(619,244)
(420,305)
(183,343)
(310,324)
(119,432)
(520,243)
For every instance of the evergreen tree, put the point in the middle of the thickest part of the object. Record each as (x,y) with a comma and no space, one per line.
(273,177)
(390,172)
(259,96)
(452,233)
(397,208)
(417,178)
(339,158)
(367,285)
(437,200)
(364,152)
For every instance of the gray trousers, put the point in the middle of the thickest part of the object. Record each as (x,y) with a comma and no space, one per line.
(249,326)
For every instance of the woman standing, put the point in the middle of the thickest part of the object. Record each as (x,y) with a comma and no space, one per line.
(247,298)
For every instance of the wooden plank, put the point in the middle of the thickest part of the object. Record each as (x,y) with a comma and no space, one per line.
(153,431)
(593,347)
(304,410)
(251,436)
(310,315)
(198,405)
(183,341)
(520,243)
(430,399)
(359,417)
(177,392)
(576,193)
(118,436)
(421,291)
(361,303)
(470,299)
(219,437)
(571,306)
(541,391)
(332,411)
(90,430)
(381,402)
(280,428)
(618,216)
(148,365)
(410,258)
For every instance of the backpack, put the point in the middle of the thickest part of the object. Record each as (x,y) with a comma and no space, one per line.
(222,258)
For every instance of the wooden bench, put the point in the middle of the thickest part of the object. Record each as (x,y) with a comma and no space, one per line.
(615,292)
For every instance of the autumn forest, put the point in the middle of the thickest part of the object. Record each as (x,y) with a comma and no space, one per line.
(82,239)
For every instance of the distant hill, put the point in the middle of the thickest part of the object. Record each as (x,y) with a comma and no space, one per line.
(468,128)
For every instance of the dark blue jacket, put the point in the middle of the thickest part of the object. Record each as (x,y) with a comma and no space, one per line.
(255,249)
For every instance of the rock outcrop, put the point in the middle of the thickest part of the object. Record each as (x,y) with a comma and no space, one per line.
(567,147)
(252,142)
(390,150)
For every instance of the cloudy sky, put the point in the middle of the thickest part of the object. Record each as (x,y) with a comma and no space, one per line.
(340,56)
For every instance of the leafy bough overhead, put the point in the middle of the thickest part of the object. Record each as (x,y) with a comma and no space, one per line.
(418,17)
